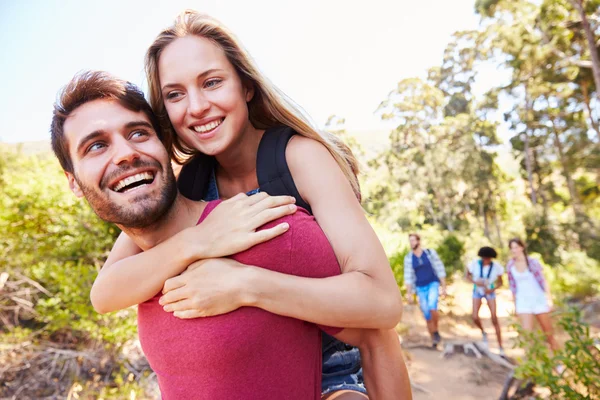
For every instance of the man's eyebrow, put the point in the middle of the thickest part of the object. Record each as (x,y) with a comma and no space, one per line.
(95,134)
(89,137)
(134,124)
(202,75)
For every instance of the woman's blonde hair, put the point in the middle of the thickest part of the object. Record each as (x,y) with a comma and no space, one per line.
(269,107)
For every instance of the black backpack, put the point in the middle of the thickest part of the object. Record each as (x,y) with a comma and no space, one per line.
(272,170)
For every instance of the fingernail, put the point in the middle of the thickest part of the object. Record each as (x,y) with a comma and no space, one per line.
(292,207)
(293,199)
(285,225)
(167,308)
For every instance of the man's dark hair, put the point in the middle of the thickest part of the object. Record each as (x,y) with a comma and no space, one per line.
(87,86)
(415,235)
(487,252)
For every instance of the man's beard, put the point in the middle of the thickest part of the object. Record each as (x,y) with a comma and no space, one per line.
(143,210)
(416,246)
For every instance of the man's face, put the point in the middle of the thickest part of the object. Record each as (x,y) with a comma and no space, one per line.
(120,165)
(414,242)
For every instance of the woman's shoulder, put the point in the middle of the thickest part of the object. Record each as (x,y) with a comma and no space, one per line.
(301,145)
(534,262)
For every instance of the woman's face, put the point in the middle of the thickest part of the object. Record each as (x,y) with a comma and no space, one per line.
(516,249)
(203,95)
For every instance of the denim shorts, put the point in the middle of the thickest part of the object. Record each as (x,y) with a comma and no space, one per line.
(478,295)
(428,298)
(341,367)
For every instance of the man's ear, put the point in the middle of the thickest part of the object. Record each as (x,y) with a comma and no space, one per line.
(73,185)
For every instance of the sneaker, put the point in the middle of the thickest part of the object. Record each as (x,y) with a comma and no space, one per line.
(501,353)
(484,338)
(436,338)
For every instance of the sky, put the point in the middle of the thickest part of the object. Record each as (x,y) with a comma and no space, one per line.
(338,57)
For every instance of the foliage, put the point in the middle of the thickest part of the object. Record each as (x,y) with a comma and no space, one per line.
(451,252)
(397,264)
(52,245)
(580,358)
(576,278)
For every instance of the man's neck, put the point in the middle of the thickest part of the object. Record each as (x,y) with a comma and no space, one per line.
(184,213)
(418,251)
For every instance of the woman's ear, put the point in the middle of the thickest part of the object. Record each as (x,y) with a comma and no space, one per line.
(249,90)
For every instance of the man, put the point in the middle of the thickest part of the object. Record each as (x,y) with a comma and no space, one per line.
(424,273)
(107,141)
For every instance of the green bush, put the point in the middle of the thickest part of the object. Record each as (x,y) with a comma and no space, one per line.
(541,236)
(51,239)
(397,264)
(451,251)
(577,277)
(580,357)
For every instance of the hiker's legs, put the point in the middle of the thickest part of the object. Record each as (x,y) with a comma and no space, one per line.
(422,295)
(434,321)
(492,306)
(476,307)
(546,324)
(432,300)
(527,321)
(384,370)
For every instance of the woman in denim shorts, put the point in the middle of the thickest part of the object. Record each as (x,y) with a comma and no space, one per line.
(486,276)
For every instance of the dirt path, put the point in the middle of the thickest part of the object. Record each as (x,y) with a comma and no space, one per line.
(459,376)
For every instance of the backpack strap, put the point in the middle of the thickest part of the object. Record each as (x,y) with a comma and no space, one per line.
(272,171)
(195,175)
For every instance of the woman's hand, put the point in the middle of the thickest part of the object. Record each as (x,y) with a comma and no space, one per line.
(232,226)
(207,288)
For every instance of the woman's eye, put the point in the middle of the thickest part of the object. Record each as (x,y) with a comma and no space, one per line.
(172,95)
(212,83)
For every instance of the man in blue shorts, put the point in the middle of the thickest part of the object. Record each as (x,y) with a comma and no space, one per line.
(424,273)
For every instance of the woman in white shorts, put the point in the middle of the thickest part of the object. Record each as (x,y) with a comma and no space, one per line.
(530,291)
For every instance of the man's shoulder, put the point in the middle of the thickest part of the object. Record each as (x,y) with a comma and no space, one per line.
(430,252)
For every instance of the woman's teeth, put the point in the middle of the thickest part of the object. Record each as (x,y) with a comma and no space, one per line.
(208,127)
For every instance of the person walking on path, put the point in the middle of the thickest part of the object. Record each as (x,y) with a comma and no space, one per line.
(486,276)
(425,275)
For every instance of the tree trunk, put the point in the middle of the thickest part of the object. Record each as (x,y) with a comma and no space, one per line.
(529,169)
(486,225)
(498,231)
(586,101)
(566,172)
(591,41)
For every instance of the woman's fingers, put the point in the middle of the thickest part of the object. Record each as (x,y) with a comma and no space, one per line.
(172,292)
(266,202)
(187,314)
(181,305)
(257,198)
(271,214)
(268,234)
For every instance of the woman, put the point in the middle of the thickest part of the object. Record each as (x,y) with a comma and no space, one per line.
(530,291)
(212,99)
(486,276)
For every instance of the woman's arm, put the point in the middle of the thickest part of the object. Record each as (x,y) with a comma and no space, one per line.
(365,295)
(131,276)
